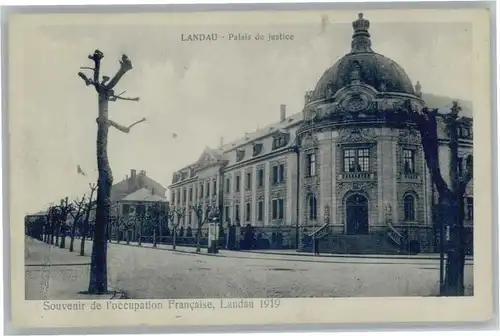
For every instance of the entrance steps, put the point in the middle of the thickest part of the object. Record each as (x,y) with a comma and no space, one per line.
(372,243)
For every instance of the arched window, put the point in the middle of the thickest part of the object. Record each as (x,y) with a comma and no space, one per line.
(313,214)
(409,207)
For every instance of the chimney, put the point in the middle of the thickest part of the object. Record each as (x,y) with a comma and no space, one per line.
(132,173)
(282,112)
(143,172)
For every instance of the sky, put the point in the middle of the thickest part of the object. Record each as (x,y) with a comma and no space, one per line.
(200,91)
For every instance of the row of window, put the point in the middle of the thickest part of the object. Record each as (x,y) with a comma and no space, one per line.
(357,160)
(409,208)
(277,211)
(278,176)
(176,196)
(279,141)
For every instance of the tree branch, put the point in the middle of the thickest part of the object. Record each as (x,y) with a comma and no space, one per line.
(125,65)
(115,98)
(87,80)
(122,128)
(97,57)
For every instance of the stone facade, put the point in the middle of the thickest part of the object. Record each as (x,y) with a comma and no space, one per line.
(350,163)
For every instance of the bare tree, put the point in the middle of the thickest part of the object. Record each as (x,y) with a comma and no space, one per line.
(98,271)
(79,208)
(175,214)
(451,197)
(155,220)
(65,208)
(203,214)
(50,218)
(85,223)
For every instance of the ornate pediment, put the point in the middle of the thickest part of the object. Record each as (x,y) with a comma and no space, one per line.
(309,140)
(356,135)
(409,135)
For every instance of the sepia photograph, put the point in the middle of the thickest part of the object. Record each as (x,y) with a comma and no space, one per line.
(203,161)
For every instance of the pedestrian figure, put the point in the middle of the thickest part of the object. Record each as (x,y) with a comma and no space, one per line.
(316,246)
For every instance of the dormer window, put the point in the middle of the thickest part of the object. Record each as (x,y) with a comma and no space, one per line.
(257,148)
(240,154)
(280,140)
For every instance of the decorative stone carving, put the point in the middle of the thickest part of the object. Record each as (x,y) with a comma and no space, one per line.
(356,186)
(356,134)
(309,140)
(409,135)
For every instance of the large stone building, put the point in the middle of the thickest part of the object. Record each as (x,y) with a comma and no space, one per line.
(347,166)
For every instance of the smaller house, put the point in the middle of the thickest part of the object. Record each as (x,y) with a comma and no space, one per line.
(139,202)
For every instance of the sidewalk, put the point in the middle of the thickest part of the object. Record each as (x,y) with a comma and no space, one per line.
(52,273)
(290,253)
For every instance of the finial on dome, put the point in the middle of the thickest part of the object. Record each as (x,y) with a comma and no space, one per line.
(361,38)
(418,89)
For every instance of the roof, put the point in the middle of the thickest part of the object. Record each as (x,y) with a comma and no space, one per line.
(262,132)
(143,195)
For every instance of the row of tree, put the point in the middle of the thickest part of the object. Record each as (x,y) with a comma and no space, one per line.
(68,218)
(160,219)
(72,218)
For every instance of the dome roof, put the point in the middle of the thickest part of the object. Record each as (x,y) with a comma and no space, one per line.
(363,65)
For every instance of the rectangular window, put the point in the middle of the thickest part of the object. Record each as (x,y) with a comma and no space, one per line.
(356,160)
(408,161)
(281,208)
(281,175)
(275,175)
(311,164)
(260,175)
(260,210)
(190,194)
(226,213)
(469,201)
(201,190)
(208,190)
(278,208)
(125,209)
(238,183)
(190,217)
(228,185)
(214,191)
(184,195)
(248,181)
(247,212)
(237,212)
(173,198)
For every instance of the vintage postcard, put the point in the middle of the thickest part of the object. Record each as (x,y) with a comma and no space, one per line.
(264,167)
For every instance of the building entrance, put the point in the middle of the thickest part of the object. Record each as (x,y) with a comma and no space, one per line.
(357,214)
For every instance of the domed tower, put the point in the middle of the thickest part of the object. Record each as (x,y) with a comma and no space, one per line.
(362,169)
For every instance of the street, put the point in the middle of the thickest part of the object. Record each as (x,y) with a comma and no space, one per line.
(147,273)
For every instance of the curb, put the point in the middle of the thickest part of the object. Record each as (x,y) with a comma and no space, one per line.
(255,253)
(359,256)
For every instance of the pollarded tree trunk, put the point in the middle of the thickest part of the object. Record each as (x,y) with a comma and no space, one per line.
(98,270)
(73,232)
(198,238)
